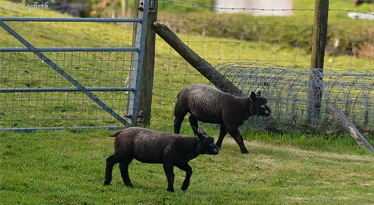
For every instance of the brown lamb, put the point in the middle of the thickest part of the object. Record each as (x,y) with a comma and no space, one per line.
(208,104)
(150,146)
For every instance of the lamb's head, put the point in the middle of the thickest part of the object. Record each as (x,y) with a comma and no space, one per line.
(207,145)
(259,104)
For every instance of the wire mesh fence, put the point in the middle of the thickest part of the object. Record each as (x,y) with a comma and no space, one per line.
(35,96)
(287,93)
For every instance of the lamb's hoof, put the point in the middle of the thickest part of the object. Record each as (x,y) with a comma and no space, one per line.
(129,185)
(106,183)
(170,190)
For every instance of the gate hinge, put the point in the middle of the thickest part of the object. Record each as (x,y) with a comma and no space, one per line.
(140,116)
(152,7)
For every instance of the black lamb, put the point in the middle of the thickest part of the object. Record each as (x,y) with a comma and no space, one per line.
(208,104)
(150,146)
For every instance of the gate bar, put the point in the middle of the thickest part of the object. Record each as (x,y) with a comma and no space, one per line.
(60,128)
(72,19)
(29,90)
(141,30)
(126,49)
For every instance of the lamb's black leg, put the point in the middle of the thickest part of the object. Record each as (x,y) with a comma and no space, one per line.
(234,132)
(187,168)
(222,134)
(193,122)
(177,125)
(110,162)
(170,176)
(179,112)
(124,168)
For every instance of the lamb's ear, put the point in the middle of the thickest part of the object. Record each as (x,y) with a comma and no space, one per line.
(253,96)
(258,92)
(194,129)
(199,132)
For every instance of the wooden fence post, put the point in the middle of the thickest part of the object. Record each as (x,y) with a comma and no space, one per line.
(145,101)
(146,88)
(317,58)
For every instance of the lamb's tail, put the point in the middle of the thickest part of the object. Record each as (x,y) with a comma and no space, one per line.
(115,134)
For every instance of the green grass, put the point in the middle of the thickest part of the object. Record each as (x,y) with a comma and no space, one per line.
(68,167)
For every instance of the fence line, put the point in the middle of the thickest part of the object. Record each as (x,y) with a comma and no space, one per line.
(258,9)
(287,89)
(263,58)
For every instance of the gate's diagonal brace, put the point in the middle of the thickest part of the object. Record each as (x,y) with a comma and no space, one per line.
(63,73)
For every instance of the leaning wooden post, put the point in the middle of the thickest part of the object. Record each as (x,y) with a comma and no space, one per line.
(317,58)
(338,113)
(207,70)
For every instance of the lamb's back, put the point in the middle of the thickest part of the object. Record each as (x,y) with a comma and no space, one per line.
(148,146)
(205,102)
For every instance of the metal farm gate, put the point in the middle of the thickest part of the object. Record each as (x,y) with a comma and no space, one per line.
(54,88)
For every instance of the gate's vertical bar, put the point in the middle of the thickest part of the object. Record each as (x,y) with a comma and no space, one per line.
(137,61)
(314,100)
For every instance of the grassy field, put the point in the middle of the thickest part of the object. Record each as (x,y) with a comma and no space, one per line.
(68,166)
